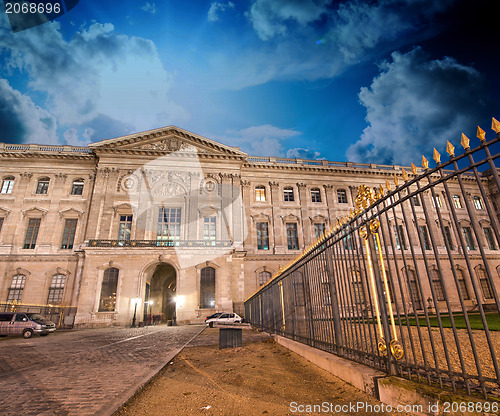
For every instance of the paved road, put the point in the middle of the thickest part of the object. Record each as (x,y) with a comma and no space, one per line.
(88,372)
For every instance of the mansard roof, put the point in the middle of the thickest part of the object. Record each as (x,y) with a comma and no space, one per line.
(165,139)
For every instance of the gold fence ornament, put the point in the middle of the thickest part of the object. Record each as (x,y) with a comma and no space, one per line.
(382,347)
(481,134)
(425,163)
(397,349)
(465,142)
(387,184)
(396,180)
(405,174)
(436,156)
(450,149)
(495,125)
(413,169)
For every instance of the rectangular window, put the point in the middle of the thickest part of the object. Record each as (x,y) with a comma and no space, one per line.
(260,193)
(292,236)
(16,288)
(342,196)
(400,237)
(125,227)
(416,200)
(447,234)
(69,234)
(7,186)
(457,202)
(469,241)
(436,201)
(288,195)
(77,188)
(209,230)
(42,187)
(478,202)
(169,227)
(319,229)
(462,285)
(315,195)
(56,289)
(437,285)
(485,283)
(425,237)
(262,236)
(490,241)
(1,223)
(32,233)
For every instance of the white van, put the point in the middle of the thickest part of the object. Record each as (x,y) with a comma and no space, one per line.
(25,324)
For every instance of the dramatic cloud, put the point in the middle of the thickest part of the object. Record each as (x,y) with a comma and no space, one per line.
(21,120)
(299,153)
(84,78)
(216,8)
(263,140)
(416,104)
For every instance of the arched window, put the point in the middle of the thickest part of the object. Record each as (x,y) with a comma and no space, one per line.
(288,194)
(315,195)
(77,188)
(342,196)
(264,277)
(462,285)
(107,303)
(43,186)
(7,185)
(16,288)
(260,193)
(207,288)
(484,282)
(414,291)
(56,289)
(437,284)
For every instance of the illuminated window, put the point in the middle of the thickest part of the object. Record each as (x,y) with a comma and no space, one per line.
(478,202)
(457,202)
(436,201)
(56,289)
(107,302)
(260,193)
(207,288)
(43,186)
(16,288)
(169,226)
(7,185)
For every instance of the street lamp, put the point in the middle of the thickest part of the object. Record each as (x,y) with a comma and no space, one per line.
(136,302)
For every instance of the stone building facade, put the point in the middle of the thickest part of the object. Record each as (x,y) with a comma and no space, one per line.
(167,223)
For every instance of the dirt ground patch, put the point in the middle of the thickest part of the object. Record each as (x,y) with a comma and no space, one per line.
(259,378)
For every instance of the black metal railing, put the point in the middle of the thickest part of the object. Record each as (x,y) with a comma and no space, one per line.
(159,243)
(408,283)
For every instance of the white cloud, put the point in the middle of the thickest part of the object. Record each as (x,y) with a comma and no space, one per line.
(300,153)
(414,105)
(149,8)
(216,8)
(23,121)
(265,140)
(96,75)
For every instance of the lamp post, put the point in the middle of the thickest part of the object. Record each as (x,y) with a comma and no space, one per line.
(136,302)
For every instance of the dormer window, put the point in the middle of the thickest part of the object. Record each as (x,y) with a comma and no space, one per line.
(43,186)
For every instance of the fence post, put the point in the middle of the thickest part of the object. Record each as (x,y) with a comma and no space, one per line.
(337,324)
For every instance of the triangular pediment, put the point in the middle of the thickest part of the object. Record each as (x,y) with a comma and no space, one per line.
(166,140)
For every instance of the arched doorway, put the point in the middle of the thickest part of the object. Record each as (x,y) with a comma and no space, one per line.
(162,287)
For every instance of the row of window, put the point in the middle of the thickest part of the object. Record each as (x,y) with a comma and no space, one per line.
(289,195)
(42,186)
(31,236)
(55,294)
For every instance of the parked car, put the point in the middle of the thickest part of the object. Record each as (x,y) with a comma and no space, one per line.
(214,315)
(224,318)
(25,324)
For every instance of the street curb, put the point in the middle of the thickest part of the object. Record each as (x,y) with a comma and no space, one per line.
(110,408)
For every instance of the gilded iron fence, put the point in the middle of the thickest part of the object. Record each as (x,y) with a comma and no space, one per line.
(408,282)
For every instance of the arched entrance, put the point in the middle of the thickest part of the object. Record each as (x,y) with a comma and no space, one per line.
(162,286)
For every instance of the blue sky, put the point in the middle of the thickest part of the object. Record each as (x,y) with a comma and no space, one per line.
(381,81)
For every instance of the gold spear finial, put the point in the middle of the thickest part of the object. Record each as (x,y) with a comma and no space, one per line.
(381,189)
(436,156)
(413,168)
(425,163)
(405,175)
(388,184)
(481,134)
(450,149)
(396,180)
(495,125)
(465,141)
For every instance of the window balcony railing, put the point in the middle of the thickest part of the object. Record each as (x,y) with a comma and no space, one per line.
(159,243)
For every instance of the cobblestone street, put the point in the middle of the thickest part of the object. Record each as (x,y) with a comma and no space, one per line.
(87,372)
